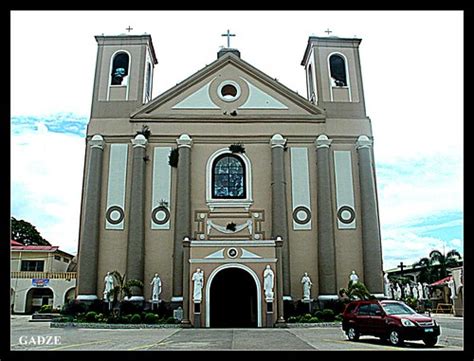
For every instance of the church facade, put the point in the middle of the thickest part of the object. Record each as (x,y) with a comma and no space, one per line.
(230,186)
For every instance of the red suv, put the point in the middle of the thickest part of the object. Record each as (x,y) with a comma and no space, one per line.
(387,319)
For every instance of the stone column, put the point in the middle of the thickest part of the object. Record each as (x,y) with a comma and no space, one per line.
(279,207)
(325,224)
(136,231)
(183,212)
(279,284)
(89,244)
(186,251)
(371,242)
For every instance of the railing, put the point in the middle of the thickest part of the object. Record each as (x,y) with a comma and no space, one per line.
(49,275)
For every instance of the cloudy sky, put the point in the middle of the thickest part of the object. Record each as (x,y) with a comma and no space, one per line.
(412,67)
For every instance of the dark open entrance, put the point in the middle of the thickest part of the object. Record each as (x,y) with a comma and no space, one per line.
(37,297)
(233,297)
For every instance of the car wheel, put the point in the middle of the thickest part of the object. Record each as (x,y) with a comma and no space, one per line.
(395,338)
(430,341)
(352,334)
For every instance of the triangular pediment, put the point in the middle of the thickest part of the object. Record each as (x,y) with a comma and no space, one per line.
(229,88)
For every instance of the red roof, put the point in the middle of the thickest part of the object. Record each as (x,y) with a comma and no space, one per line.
(442,281)
(21,247)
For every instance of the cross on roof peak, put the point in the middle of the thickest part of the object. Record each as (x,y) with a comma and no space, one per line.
(129,28)
(228,34)
(328,31)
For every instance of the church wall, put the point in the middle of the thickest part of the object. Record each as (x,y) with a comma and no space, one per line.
(112,242)
(159,242)
(303,243)
(348,241)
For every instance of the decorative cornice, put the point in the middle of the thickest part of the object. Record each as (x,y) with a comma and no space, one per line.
(184,141)
(363,142)
(97,141)
(323,141)
(139,141)
(278,141)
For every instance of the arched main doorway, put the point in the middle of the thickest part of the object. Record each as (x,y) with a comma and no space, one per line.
(233,299)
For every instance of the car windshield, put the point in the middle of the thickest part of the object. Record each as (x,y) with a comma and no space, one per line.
(397,309)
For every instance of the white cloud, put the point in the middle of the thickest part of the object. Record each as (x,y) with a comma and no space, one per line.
(404,245)
(46,171)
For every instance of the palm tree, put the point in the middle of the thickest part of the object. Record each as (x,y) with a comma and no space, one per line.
(435,267)
(356,291)
(122,287)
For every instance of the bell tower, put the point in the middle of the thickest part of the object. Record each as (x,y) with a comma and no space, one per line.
(124,74)
(333,76)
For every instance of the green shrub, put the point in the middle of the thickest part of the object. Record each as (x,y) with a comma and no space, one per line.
(46,309)
(170,320)
(314,320)
(91,316)
(318,314)
(306,318)
(73,307)
(292,319)
(136,318)
(338,318)
(151,318)
(327,315)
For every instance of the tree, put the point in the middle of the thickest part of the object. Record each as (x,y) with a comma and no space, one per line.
(25,233)
(122,287)
(356,291)
(435,267)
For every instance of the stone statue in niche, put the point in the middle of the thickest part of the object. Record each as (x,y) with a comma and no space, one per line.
(452,288)
(306,281)
(109,285)
(420,291)
(198,280)
(398,292)
(386,284)
(268,282)
(353,278)
(156,290)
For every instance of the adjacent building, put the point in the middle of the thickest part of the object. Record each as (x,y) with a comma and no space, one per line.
(40,275)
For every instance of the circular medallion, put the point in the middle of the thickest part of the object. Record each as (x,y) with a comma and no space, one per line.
(115,215)
(346,214)
(301,215)
(160,215)
(232,252)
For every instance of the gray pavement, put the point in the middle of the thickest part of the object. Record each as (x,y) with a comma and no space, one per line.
(27,335)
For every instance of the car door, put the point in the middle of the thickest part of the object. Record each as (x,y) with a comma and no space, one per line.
(377,319)
(363,318)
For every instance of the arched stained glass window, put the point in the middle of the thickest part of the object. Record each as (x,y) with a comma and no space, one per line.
(119,68)
(338,70)
(228,177)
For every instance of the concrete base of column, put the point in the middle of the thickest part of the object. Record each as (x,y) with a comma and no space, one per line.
(269,320)
(197,320)
(186,324)
(86,298)
(281,323)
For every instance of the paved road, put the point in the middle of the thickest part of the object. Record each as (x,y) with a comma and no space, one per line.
(327,338)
